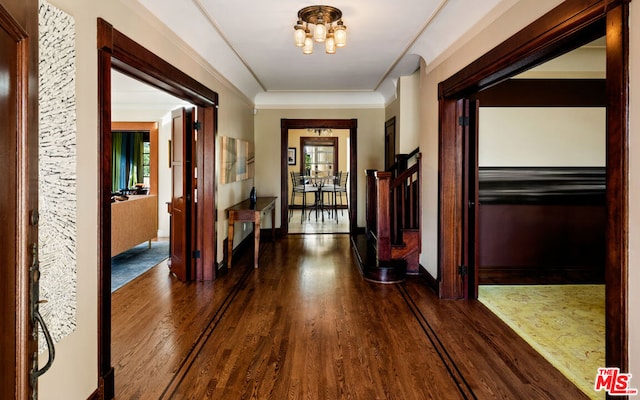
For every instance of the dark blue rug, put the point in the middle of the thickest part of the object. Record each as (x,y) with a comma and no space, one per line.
(134,262)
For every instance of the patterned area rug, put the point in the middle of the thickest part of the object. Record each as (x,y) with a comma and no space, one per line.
(564,323)
(134,262)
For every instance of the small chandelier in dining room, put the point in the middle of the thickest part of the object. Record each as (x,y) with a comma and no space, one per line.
(321,131)
(320,24)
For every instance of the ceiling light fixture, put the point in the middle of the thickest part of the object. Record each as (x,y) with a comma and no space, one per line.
(328,28)
(321,131)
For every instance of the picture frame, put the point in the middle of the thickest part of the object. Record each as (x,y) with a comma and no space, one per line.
(291,156)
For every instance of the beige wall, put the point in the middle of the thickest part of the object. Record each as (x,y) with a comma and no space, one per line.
(267,131)
(409,121)
(406,108)
(235,119)
(542,137)
(74,372)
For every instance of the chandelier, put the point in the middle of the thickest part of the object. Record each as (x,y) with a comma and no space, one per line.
(327,25)
(321,131)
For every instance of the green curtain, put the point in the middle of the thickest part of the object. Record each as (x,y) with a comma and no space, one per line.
(127,160)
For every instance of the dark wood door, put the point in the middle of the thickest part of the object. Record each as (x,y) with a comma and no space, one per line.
(181,209)
(469,126)
(389,143)
(19,194)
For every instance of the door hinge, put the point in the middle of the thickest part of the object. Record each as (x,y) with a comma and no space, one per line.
(463,121)
(197,125)
(196,254)
(463,270)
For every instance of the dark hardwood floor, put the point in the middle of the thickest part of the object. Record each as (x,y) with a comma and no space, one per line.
(305,325)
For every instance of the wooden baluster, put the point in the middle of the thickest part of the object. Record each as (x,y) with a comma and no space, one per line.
(371,203)
(383,215)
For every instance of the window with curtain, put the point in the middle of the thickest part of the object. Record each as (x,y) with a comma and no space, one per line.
(128,159)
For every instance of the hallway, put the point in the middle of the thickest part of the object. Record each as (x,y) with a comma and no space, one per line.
(306,325)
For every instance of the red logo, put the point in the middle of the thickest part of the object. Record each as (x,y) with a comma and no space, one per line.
(614,382)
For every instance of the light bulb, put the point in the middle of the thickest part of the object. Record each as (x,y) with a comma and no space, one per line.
(330,44)
(340,35)
(320,31)
(299,34)
(308,46)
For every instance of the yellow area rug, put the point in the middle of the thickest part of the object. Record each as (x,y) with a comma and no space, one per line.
(564,323)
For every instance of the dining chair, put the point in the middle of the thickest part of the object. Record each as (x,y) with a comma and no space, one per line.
(341,189)
(297,189)
(336,187)
(300,186)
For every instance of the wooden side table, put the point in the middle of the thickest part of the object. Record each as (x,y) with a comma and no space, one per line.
(247,212)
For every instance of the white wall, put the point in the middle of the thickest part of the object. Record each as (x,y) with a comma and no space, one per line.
(541,137)
(267,136)
(74,373)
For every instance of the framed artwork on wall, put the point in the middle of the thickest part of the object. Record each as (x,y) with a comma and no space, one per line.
(235,160)
(291,156)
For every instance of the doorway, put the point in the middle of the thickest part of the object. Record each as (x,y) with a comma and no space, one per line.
(540,241)
(315,125)
(318,190)
(119,52)
(580,25)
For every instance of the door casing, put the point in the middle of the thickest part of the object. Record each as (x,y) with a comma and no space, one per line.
(352,125)
(19,201)
(117,51)
(568,26)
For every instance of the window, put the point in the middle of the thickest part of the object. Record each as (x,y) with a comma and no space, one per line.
(320,156)
(146,163)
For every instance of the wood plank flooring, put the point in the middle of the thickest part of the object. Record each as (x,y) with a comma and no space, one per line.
(305,325)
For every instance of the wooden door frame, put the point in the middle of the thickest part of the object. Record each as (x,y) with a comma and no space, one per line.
(19,21)
(572,23)
(352,125)
(117,51)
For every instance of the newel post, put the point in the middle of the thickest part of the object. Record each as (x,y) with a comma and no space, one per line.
(383,215)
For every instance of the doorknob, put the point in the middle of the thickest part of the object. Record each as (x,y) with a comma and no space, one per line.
(36,319)
(36,373)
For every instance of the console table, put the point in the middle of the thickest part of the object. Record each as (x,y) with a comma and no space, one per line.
(245,211)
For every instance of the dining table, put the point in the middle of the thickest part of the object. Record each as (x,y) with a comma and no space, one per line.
(316,182)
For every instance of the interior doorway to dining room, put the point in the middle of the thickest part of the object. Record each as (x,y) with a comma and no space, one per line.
(317,192)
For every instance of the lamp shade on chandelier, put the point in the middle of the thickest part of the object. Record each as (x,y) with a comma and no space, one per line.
(320,24)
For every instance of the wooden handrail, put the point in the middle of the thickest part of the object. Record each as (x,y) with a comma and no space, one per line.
(401,160)
(393,206)
(405,207)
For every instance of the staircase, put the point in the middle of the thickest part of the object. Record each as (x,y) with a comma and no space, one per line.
(390,248)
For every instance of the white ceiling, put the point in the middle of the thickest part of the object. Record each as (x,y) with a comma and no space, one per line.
(250,43)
